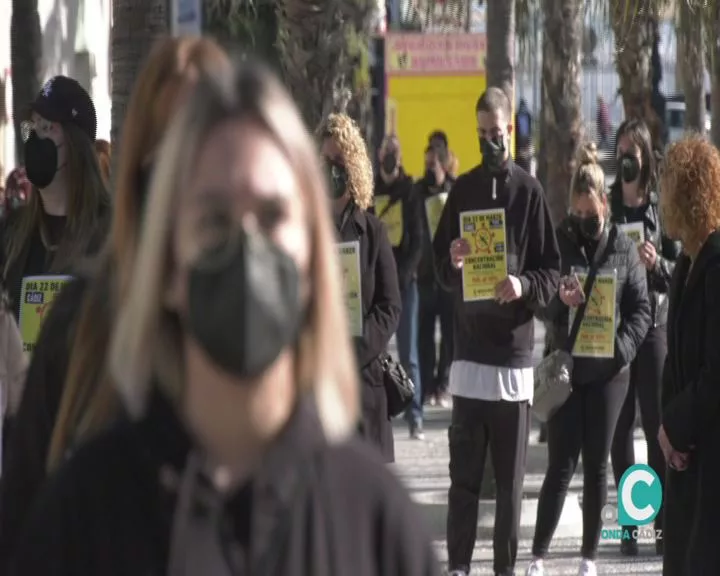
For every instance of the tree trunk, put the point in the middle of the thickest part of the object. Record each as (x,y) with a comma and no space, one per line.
(561,128)
(315,44)
(501,46)
(693,67)
(634,39)
(137,25)
(26,61)
(715,76)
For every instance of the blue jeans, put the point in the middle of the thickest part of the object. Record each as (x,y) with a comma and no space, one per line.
(407,344)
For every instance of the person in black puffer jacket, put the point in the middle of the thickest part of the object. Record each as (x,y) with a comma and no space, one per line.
(635,204)
(586,422)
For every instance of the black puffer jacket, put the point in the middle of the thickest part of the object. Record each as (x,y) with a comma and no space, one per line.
(632,312)
(668,250)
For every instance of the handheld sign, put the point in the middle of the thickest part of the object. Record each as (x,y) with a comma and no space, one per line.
(349,253)
(433,209)
(37,295)
(486,266)
(635,231)
(392,217)
(596,338)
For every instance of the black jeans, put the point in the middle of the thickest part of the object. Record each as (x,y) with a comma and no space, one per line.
(679,502)
(434,302)
(585,423)
(645,382)
(504,427)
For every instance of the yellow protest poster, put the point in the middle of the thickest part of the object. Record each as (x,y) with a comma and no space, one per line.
(392,217)
(487,264)
(36,297)
(596,338)
(433,209)
(350,267)
(635,231)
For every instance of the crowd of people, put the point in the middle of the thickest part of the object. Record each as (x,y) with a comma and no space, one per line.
(195,377)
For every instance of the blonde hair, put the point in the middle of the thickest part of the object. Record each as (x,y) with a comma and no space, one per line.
(145,345)
(589,177)
(690,191)
(346,134)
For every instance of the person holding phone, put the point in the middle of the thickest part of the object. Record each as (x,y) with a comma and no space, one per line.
(586,422)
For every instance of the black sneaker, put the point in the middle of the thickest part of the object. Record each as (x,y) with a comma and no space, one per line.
(629,547)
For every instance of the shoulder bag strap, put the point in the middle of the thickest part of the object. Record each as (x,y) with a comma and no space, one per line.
(587,289)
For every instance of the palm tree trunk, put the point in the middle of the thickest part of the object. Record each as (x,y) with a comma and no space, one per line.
(693,66)
(633,28)
(137,25)
(501,46)
(715,75)
(26,61)
(315,40)
(561,128)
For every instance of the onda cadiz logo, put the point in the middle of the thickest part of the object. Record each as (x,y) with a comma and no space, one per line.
(639,501)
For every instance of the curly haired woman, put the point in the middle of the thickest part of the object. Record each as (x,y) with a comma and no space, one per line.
(351,187)
(690,431)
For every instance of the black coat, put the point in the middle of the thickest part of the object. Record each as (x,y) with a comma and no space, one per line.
(632,311)
(668,250)
(310,509)
(381,311)
(691,409)
(408,253)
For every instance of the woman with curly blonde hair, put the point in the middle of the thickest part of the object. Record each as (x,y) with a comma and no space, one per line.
(351,188)
(690,431)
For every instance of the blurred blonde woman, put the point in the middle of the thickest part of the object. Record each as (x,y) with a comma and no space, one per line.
(69,396)
(586,422)
(351,189)
(690,435)
(230,356)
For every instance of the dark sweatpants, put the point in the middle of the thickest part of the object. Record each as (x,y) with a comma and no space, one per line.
(585,423)
(679,499)
(645,382)
(434,370)
(477,424)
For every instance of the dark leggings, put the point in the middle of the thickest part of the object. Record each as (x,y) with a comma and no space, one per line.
(585,423)
(645,382)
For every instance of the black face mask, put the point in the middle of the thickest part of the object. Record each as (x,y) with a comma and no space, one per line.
(244,304)
(589,227)
(430,178)
(41,160)
(493,153)
(389,163)
(337,178)
(629,167)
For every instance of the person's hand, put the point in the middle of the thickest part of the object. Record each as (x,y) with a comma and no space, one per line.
(459,250)
(674,459)
(570,291)
(508,290)
(648,254)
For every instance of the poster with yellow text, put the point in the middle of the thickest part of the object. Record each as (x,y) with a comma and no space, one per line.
(433,209)
(487,264)
(392,217)
(596,338)
(350,267)
(635,231)
(36,297)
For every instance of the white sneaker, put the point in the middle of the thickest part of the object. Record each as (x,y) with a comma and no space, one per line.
(535,568)
(587,568)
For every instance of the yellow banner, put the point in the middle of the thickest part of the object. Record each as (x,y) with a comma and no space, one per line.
(635,231)
(392,217)
(37,295)
(596,338)
(433,209)
(486,266)
(349,253)
(414,54)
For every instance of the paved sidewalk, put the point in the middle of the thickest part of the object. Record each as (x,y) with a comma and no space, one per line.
(423,466)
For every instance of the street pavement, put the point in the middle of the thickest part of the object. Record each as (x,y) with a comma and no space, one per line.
(423,467)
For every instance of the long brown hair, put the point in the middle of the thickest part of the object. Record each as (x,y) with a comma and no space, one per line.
(89,401)
(88,200)
(103,150)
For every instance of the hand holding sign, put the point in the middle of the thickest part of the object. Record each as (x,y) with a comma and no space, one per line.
(570,292)
(459,249)
(648,254)
(508,290)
